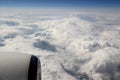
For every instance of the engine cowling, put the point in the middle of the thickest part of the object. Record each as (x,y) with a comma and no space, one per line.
(17,66)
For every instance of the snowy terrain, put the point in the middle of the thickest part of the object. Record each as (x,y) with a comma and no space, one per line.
(71,45)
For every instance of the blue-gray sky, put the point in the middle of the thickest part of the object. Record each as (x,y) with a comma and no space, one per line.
(61,3)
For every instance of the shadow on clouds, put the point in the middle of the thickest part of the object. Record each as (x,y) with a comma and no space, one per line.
(9,23)
(44,45)
(77,75)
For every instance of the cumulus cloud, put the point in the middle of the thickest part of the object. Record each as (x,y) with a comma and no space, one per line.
(79,45)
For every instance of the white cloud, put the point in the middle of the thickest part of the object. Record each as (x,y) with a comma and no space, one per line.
(71,45)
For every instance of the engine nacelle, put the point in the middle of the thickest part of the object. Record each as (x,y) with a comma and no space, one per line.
(16,66)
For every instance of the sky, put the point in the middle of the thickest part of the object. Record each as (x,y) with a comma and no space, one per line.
(61,3)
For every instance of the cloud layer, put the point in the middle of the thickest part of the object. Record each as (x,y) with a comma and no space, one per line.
(71,47)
